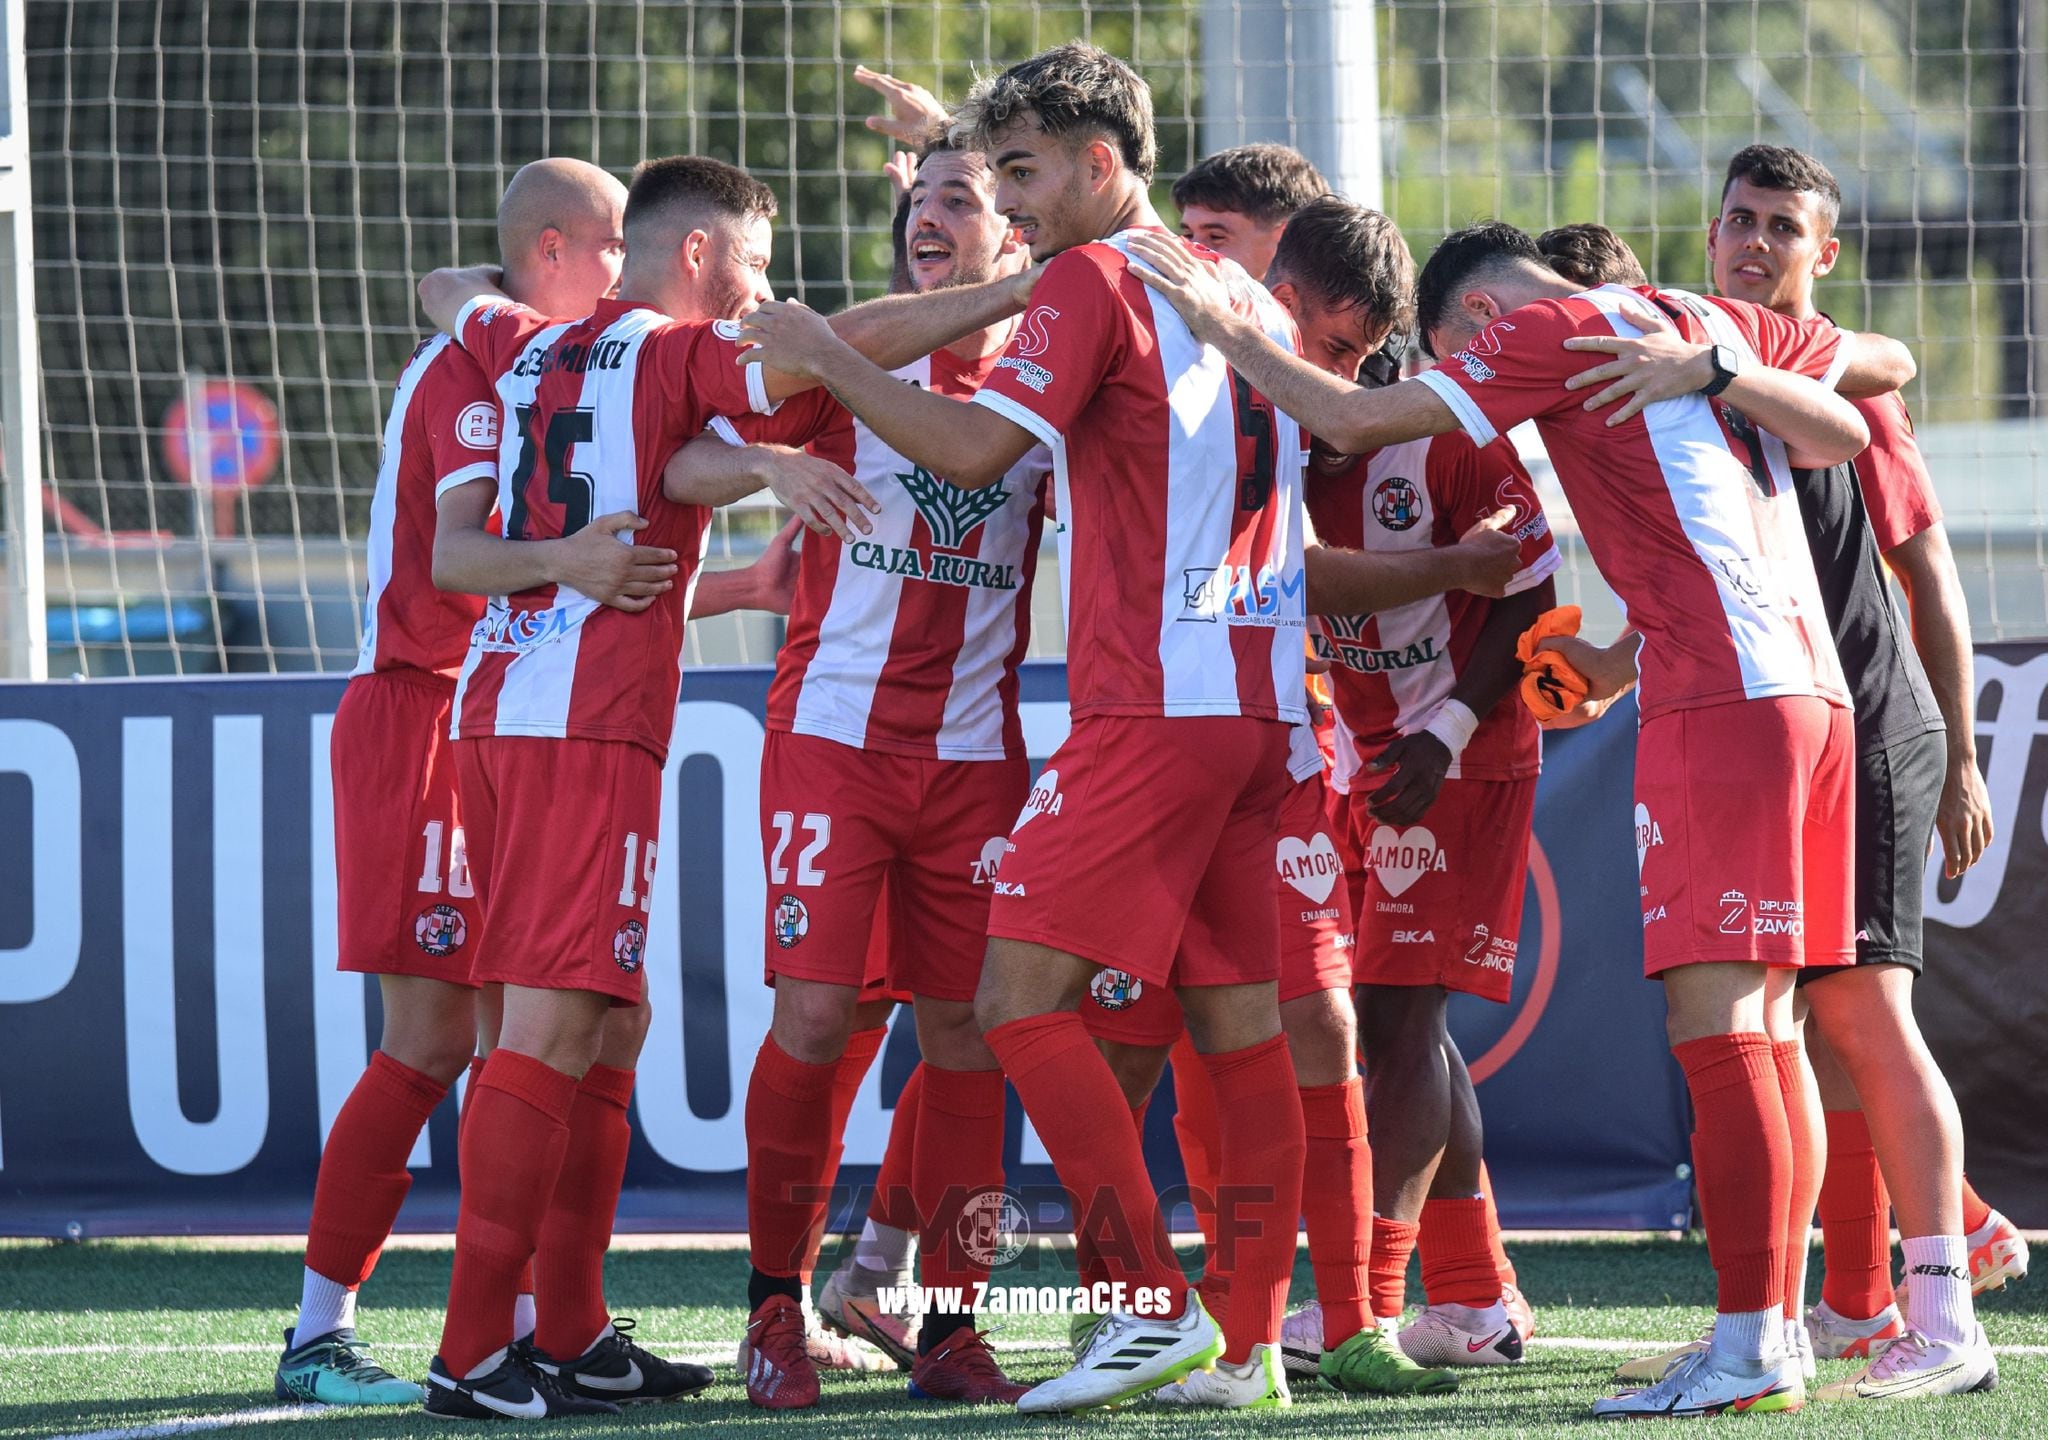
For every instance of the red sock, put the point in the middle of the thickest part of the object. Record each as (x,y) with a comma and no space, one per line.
(1976,1214)
(893,1204)
(476,1070)
(1505,1266)
(363,1179)
(1393,1241)
(1258,1112)
(1742,1158)
(512,1147)
(789,1155)
(1457,1263)
(1080,1114)
(959,1157)
(1336,1201)
(1194,1126)
(1855,1222)
(1809,1160)
(1090,1269)
(569,1260)
(847,1074)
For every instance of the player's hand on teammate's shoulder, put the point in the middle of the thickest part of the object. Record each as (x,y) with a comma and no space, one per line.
(1194,289)
(1659,364)
(1490,555)
(1417,761)
(789,336)
(597,563)
(914,112)
(817,492)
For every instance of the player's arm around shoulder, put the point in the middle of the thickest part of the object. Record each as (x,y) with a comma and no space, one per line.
(446,292)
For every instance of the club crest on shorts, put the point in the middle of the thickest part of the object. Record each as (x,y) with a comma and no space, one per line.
(1395,504)
(629,945)
(439,930)
(1115,990)
(792,921)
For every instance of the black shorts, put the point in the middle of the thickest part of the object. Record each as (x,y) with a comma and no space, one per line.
(1897,792)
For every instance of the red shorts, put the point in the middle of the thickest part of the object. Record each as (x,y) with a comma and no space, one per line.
(1745,834)
(1442,899)
(1315,932)
(1145,845)
(562,838)
(841,825)
(404,898)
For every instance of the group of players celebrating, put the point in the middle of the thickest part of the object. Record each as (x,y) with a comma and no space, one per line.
(1257,870)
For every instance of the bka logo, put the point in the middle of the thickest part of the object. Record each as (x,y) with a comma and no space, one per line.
(952,513)
(1010,887)
(439,930)
(1648,833)
(629,945)
(1034,336)
(1114,990)
(1044,799)
(1311,868)
(1415,937)
(1654,914)
(1734,913)
(990,860)
(1395,504)
(477,426)
(792,921)
(1951,1272)
(1401,857)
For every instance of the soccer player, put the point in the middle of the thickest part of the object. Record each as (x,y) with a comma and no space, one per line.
(1696,528)
(1773,238)
(895,763)
(1238,201)
(1145,842)
(564,710)
(408,911)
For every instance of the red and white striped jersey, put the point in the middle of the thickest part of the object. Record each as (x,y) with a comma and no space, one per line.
(1687,509)
(442,432)
(593,410)
(907,641)
(1178,495)
(1392,669)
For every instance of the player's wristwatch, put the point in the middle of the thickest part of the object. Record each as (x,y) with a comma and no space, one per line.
(1727,363)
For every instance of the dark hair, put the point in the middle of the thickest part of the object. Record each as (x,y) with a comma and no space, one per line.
(1482,249)
(1267,183)
(1343,255)
(1591,255)
(1780,167)
(899,246)
(699,184)
(1075,89)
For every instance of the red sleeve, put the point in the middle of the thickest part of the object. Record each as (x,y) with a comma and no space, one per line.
(694,372)
(1071,338)
(495,331)
(1467,483)
(1515,369)
(459,412)
(1897,490)
(1805,347)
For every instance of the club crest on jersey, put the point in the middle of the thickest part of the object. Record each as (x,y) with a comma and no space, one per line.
(1115,990)
(1044,799)
(1240,595)
(1311,867)
(952,513)
(990,860)
(1401,857)
(477,426)
(1395,504)
(439,930)
(792,922)
(629,946)
(726,329)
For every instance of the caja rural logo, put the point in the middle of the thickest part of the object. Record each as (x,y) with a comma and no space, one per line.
(952,515)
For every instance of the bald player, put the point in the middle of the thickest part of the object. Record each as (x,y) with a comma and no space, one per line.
(406,907)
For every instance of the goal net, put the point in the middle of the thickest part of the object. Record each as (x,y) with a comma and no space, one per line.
(232,201)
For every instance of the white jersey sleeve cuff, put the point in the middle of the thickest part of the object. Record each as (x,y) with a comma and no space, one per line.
(481,470)
(1471,418)
(1022,415)
(469,308)
(723,429)
(1536,571)
(1840,366)
(757,391)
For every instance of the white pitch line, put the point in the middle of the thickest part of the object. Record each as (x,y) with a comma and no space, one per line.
(193,1424)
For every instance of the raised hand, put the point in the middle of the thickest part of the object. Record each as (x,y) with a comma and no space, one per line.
(914,112)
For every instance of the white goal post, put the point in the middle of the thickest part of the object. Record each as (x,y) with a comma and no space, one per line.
(24,640)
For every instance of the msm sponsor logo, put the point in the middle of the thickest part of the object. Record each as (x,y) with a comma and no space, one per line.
(1240,595)
(504,629)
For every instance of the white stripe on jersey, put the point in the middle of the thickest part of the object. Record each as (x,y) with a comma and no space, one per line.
(384,500)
